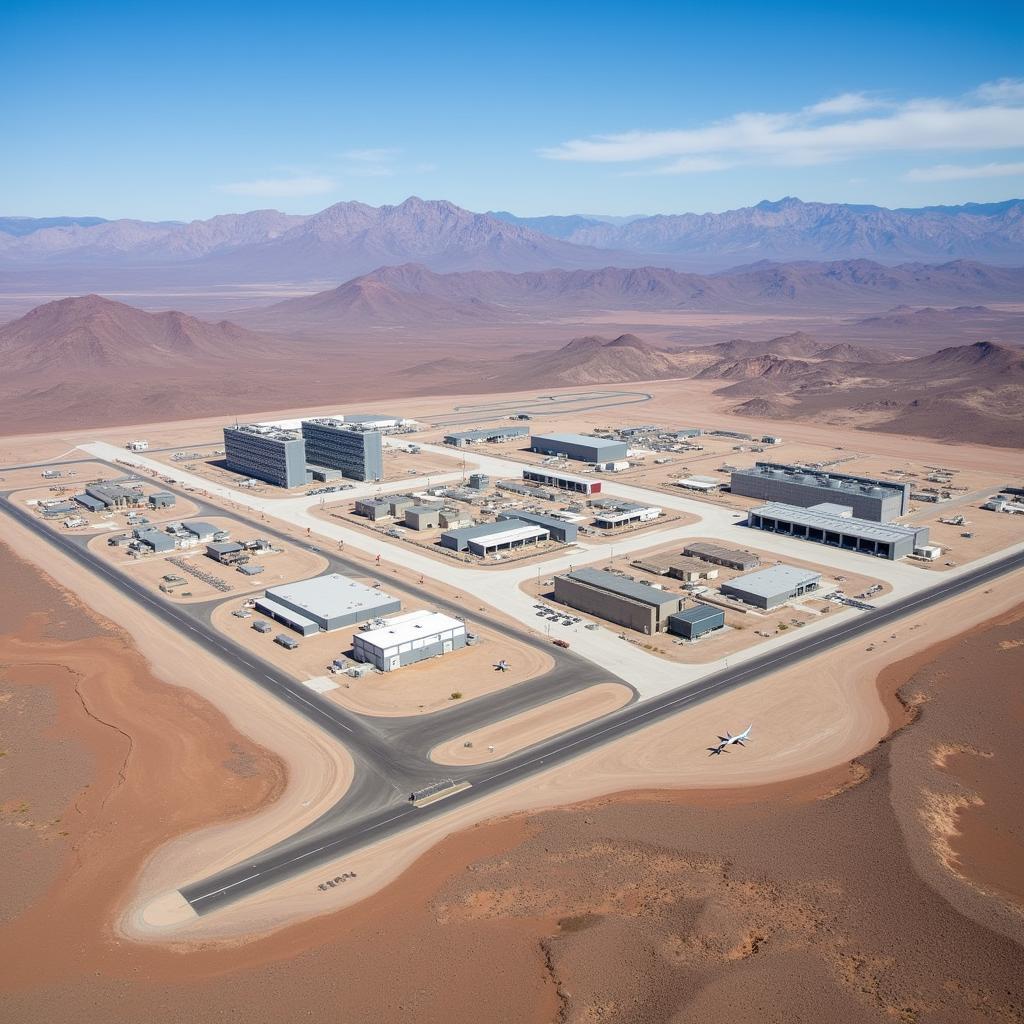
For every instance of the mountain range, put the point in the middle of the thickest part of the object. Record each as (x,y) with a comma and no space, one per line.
(351,238)
(414,295)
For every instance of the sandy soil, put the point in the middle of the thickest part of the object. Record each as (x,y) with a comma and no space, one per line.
(412,690)
(500,739)
(776,902)
(73,476)
(807,719)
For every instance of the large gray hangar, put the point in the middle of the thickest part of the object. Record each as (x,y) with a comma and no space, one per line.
(583,447)
(771,587)
(325,603)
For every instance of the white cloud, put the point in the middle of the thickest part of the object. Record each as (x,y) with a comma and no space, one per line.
(958,172)
(836,129)
(845,103)
(290,188)
(1003,90)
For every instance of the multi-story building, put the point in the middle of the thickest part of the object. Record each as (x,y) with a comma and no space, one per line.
(356,453)
(870,498)
(266,453)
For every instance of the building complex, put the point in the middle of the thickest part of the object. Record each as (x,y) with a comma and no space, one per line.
(869,498)
(837,526)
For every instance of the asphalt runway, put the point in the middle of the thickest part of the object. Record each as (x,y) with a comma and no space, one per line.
(391,755)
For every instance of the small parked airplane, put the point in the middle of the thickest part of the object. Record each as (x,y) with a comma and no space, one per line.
(728,739)
(718,750)
(502,666)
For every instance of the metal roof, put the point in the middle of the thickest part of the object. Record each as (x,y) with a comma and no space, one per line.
(483,435)
(608,581)
(549,474)
(331,595)
(418,625)
(888,533)
(581,439)
(699,613)
(483,529)
(839,482)
(774,580)
(524,531)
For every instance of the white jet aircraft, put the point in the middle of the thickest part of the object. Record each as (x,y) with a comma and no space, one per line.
(728,739)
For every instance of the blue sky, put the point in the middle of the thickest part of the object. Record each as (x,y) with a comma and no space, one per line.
(177,111)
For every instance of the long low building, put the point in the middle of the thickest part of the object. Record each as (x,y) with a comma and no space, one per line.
(868,497)
(558,529)
(516,534)
(609,596)
(479,537)
(405,639)
(328,602)
(825,525)
(731,558)
(626,514)
(768,588)
(563,481)
(582,447)
(491,435)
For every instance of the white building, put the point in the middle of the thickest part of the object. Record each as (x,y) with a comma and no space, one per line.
(405,639)
(704,484)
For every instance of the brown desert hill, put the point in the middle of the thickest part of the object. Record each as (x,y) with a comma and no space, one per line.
(974,391)
(418,295)
(89,334)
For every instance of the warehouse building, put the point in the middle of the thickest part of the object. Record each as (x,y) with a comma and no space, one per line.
(563,481)
(768,588)
(558,529)
(610,596)
(626,514)
(162,499)
(478,481)
(528,491)
(227,552)
(203,531)
(877,500)
(690,570)
(582,447)
(475,538)
(423,517)
(489,435)
(352,451)
(325,603)
(148,538)
(405,639)
(731,558)
(87,501)
(56,509)
(109,495)
(516,534)
(266,453)
(693,623)
(837,527)
(398,504)
(384,422)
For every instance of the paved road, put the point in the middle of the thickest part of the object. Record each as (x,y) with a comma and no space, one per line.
(391,754)
(300,852)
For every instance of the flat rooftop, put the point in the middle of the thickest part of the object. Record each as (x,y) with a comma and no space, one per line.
(583,439)
(401,629)
(554,474)
(776,579)
(850,525)
(609,581)
(841,483)
(331,595)
(524,531)
(268,431)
